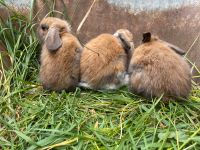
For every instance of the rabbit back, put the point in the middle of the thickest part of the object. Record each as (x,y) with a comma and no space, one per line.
(156,70)
(103,62)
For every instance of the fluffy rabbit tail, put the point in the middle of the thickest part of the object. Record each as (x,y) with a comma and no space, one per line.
(85,85)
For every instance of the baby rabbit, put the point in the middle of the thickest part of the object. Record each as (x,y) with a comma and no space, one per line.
(104,61)
(157,68)
(60,55)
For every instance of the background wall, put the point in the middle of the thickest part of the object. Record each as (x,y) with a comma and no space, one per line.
(135,5)
(154,5)
(19,3)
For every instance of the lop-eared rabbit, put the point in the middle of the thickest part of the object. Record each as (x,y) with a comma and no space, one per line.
(105,59)
(158,67)
(60,55)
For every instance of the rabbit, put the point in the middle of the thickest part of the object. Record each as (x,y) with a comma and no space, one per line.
(60,55)
(157,68)
(104,61)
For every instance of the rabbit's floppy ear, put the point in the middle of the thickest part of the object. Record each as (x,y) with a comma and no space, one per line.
(53,40)
(176,49)
(146,37)
(125,43)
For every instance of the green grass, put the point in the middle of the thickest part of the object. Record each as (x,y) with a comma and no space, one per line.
(31,118)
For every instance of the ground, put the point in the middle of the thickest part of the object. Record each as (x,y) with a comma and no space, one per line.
(32,118)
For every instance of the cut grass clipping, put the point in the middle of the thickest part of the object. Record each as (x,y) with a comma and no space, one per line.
(34,119)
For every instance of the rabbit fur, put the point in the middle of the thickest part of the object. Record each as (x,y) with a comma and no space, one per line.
(105,59)
(60,55)
(157,67)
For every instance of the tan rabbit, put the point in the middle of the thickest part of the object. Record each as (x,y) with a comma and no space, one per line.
(157,68)
(60,55)
(104,61)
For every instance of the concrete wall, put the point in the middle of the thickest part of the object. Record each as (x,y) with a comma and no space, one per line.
(152,5)
(135,5)
(19,3)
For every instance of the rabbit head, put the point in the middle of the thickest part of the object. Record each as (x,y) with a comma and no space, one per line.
(157,67)
(51,30)
(147,37)
(126,38)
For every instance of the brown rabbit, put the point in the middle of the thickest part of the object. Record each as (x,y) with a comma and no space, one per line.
(60,55)
(157,68)
(104,61)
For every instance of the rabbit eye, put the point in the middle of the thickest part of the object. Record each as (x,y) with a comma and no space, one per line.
(44,27)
